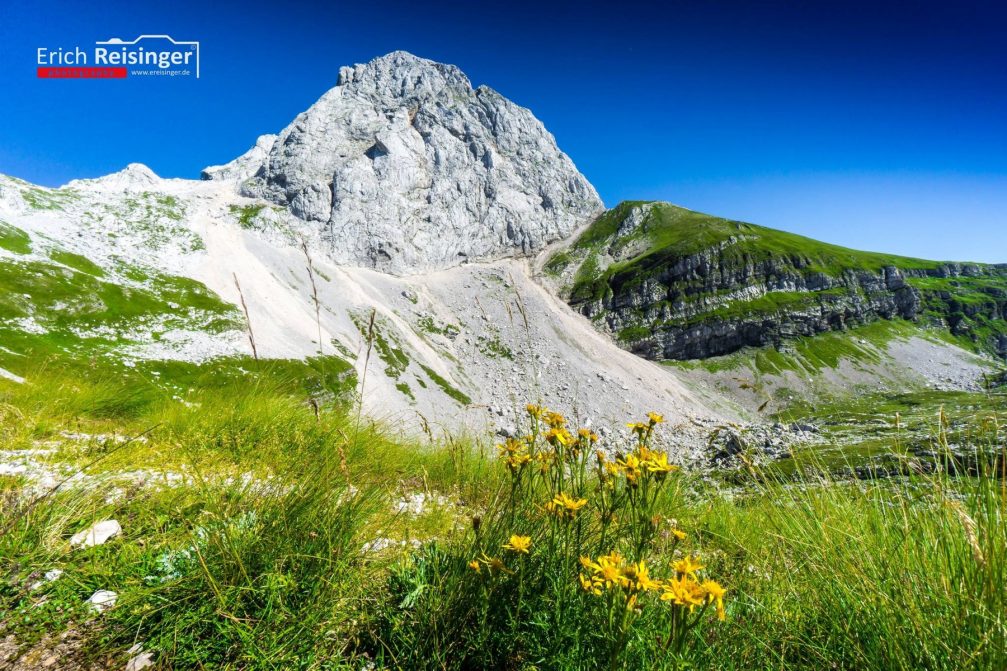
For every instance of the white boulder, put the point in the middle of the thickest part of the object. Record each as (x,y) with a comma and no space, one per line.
(98,534)
(102,600)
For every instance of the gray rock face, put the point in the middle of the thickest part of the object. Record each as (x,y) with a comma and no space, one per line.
(406,168)
(693,305)
(246,165)
(850,299)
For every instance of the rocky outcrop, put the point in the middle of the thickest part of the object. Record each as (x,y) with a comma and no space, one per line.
(135,177)
(684,302)
(747,289)
(405,168)
(245,166)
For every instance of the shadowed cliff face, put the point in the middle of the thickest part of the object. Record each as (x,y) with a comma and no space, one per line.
(405,168)
(674,284)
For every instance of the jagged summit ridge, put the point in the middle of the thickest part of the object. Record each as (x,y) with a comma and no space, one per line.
(405,168)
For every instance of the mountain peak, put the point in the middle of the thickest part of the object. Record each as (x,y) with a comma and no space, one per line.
(404,167)
(404,72)
(134,177)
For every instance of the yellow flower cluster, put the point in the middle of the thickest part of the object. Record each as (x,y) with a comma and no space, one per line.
(633,578)
(515,453)
(560,442)
(565,507)
(612,570)
(618,505)
(642,463)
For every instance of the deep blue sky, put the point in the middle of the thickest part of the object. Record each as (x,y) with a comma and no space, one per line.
(870,124)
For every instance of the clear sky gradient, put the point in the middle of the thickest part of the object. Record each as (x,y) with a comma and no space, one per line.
(878,125)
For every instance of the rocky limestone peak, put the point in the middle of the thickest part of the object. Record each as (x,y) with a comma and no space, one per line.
(405,168)
(407,77)
(134,177)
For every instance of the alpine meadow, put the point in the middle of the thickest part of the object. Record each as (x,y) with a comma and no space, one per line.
(395,390)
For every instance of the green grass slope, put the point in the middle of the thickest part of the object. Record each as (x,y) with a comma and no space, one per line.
(637,246)
(262,552)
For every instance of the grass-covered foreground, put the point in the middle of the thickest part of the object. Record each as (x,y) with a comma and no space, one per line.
(261,531)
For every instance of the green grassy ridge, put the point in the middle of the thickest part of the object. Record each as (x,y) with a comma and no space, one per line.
(971,305)
(95,393)
(669,233)
(974,307)
(127,392)
(74,291)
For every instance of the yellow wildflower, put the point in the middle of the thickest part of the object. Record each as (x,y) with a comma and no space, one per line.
(559,435)
(715,593)
(679,534)
(638,428)
(516,461)
(631,467)
(518,544)
(684,591)
(555,420)
(688,566)
(475,566)
(565,506)
(658,463)
(607,570)
(655,418)
(494,564)
(639,577)
(535,411)
(589,584)
(510,447)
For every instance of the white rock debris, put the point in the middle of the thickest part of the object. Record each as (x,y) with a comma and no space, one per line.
(143,660)
(51,575)
(102,600)
(418,502)
(98,534)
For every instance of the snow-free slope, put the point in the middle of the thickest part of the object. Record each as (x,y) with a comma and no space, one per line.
(463,348)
